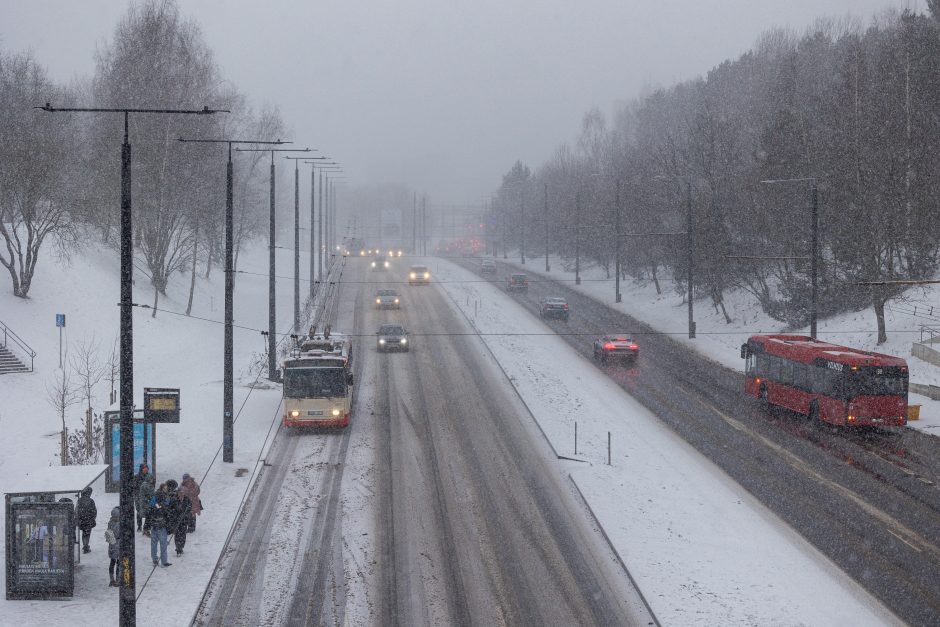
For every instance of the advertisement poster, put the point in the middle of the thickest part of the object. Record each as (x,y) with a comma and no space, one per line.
(41,560)
(142,437)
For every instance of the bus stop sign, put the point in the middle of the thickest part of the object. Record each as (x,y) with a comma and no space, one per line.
(161,405)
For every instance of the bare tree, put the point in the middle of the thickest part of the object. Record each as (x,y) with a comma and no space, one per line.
(90,371)
(33,149)
(63,394)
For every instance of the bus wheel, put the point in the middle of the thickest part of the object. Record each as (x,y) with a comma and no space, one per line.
(814,414)
(764,402)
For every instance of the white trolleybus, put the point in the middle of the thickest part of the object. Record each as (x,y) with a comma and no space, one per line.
(318,381)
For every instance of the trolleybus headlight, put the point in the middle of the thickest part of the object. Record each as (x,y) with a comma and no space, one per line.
(294,414)
(381,340)
(413,275)
(427,275)
(396,301)
(404,341)
(378,301)
(336,412)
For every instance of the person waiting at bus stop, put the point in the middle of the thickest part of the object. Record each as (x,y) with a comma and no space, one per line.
(157,522)
(86,515)
(144,483)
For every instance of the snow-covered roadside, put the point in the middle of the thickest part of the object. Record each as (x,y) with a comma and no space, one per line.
(701,549)
(169,351)
(721,341)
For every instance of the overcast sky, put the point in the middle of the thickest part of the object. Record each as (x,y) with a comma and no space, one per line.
(442,96)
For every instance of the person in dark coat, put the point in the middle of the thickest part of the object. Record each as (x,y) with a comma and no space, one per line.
(189,490)
(181,511)
(112,535)
(157,522)
(86,514)
(144,483)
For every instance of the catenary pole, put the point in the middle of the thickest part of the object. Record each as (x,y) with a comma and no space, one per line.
(127,596)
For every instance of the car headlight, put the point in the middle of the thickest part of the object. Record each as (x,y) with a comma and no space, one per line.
(386,264)
(294,413)
(404,340)
(396,301)
(427,275)
(381,340)
(373,264)
(413,275)
(336,412)
(378,301)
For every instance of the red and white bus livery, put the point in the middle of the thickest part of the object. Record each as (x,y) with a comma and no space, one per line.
(318,382)
(829,383)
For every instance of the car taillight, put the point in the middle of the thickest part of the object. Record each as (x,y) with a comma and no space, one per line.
(609,346)
(566,307)
(634,347)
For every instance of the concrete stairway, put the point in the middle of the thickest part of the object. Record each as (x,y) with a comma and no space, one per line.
(9,363)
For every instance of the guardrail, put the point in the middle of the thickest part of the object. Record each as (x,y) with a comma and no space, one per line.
(8,334)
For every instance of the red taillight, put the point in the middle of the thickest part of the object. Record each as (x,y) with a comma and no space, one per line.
(609,346)
(566,307)
(634,347)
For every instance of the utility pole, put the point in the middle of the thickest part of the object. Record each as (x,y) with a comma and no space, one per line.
(127,598)
(813,312)
(617,297)
(414,223)
(522,222)
(577,237)
(691,254)
(424,224)
(228,391)
(547,267)
(272,310)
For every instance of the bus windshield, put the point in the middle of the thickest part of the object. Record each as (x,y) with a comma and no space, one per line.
(314,382)
(869,384)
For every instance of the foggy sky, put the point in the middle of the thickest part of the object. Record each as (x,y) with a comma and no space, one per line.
(440,96)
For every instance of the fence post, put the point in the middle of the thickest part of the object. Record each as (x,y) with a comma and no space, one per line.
(575,438)
(608,448)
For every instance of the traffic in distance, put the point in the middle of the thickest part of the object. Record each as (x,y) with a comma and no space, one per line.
(825,382)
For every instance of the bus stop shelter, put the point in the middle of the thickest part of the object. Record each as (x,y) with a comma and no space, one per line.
(40,530)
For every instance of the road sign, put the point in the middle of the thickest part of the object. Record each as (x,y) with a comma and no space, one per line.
(60,320)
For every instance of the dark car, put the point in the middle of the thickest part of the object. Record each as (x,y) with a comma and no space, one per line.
(518,282)
(488,266)
(380,263)
(553,307)
(387,299)
(392,337)
(609,347)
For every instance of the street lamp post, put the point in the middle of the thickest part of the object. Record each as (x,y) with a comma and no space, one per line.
(547,267)
(522,222)
(228,392)
(313,252)
(577,237)
(127,604)
(272,330)
(814,244)
(619,235)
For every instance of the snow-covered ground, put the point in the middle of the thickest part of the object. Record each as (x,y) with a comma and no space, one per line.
(702,550)
(169,351)
(721,342)
(650,500)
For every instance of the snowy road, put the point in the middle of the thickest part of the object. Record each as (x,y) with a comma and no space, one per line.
(476,527)
(868,500)
(441,504)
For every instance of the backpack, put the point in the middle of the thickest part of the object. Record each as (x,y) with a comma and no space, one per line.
(109,536)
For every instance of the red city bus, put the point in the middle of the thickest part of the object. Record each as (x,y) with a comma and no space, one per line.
(829,383)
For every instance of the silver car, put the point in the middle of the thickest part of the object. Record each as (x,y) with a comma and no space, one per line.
(392,337)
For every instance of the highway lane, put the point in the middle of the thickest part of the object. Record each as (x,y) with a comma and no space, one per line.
(476,526)
(867,499)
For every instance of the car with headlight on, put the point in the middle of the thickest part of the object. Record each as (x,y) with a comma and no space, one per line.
(392,337)
(487,266)
(609,347)
(419,275)
(387,299)
(380,263)
(553,307)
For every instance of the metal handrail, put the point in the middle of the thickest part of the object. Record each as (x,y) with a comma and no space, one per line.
(8,332)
